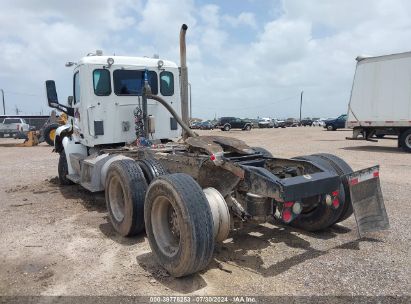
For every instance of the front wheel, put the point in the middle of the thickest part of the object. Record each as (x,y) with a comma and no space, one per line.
(330,128)
(179,224)
(226,128)
(63,170)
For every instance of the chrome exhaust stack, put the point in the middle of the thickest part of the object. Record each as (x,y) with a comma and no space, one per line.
(184,78)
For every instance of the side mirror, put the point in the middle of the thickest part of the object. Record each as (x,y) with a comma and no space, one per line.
(53,100)
(51,93)
(70,100)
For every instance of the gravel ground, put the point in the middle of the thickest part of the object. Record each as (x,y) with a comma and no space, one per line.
(57,240)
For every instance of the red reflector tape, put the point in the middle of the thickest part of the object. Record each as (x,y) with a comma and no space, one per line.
(354,181)
(376,174)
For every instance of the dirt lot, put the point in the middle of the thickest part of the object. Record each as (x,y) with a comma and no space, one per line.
(57,241)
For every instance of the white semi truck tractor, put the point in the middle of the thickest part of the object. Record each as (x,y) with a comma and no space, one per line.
(189,193)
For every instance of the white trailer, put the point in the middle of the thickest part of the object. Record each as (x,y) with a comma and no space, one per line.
(380,101)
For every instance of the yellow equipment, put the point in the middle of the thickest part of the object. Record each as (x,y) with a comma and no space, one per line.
(32,140)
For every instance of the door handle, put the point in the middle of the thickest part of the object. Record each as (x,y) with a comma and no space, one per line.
(88,121)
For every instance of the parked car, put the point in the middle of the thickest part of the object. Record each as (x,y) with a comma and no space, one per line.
(318,123)
(292,122)
(337,123)
(306,122)
(206,125)
(278,123)
(265,123)
(195,125)
(228,123)
(13,127)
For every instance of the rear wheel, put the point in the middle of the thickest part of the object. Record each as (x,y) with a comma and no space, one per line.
(125,191)
(63,170)
(316,215)
(50,133)
(179,224)
(330,128)
(227,127)
(405,140)
(247,128)
(341,168)
(151,169)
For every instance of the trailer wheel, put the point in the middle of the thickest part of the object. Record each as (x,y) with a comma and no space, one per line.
(263,151)
(63,170)
(405,140)
(50,133)
(151,169)
(125,191)
(342,168)
(321,216)
(179,224)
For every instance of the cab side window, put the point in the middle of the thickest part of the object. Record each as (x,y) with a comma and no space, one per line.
(166,83)
(101,82)
(76,88)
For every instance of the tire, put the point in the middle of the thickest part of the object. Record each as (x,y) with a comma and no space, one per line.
(226,127)
(189,247)
(49,133)
(125,192)
(322,216)
(247,128)
(342,168)
(63,170)
(330,128)
(404,141)
(263,151)
(151,169)
(380,136)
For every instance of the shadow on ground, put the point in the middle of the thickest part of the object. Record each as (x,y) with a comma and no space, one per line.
(240,250)
(183,285)
(376,149)
(90,201)
(243,250)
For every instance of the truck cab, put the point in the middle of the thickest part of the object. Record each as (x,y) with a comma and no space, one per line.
(107,94)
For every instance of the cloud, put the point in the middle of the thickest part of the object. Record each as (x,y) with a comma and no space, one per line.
(238,64)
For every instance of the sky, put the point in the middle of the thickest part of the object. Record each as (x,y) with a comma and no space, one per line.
(246,58)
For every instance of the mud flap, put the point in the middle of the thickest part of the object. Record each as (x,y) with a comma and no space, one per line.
(367,200)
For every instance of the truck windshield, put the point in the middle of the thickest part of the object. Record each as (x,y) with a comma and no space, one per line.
(131,82)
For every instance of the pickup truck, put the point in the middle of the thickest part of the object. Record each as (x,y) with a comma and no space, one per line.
(265,123)
(11,127)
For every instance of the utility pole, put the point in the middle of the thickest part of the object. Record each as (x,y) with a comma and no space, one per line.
(301,104)
(4,106)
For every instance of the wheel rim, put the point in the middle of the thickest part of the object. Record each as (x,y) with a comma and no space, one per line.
(166,226)
(52,134)
(116,196)
(226,128)
(329,128)
(408,141)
